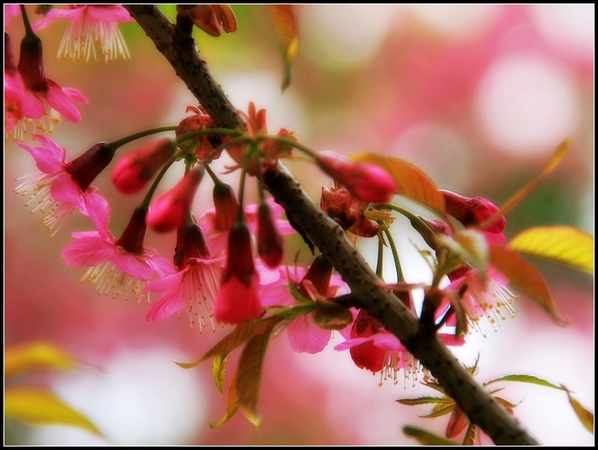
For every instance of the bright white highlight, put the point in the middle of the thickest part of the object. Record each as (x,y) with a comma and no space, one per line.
(527,104)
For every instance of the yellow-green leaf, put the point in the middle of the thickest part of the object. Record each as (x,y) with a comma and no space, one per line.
(440,410)
(35,356)
(554,161)
(527,278)
(239,336)
(411,181)
(426,437)
(526,379)
(218,372)
(232,404)
(39,406)
(561,244)
(287,32)
(425,400)
(471,246)
(250,374)
(470,435)
(585,417)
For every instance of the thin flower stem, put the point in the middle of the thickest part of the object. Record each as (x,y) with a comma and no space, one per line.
(284,140)
(150,193)
(395,256)
(26,23)
(133,137)
(380,260)
(412,217)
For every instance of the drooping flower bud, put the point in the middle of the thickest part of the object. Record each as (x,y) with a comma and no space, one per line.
(237,298)
(366,182)
(137,167)
(210,18)
(348,212)
(319,275)
(269,240)
(132,238)
(169,210)
(226,205)
(85,168)
(367,355)
(473,210)
(31,63)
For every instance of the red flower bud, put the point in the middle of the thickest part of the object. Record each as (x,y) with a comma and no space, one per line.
(473,210)
(237,298)
(85,168)
(133,236)
(366,355)
(366,182)
(319,275)
(226,204)
(169,210)
(137,167)
(269,240)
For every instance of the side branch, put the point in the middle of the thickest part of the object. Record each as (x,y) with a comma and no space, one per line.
(481,408)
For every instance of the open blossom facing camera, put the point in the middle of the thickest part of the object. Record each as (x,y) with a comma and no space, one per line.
(117,266)
(89,25)
(63,187)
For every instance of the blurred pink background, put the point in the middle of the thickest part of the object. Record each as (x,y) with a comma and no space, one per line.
(478,96)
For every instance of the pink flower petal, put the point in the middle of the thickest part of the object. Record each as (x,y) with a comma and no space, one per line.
(135,266)
(61,102)
(305,337)
(88,251)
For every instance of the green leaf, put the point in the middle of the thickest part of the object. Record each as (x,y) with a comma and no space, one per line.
(424,401)
(471,246)
(236,338)
(287,32)
(440,410)
(470,434)
(411,181)
(35,356)
(585,417)
(561,244)
(526,379)
(426,437)
(552,163)
(250,374)
(218,372)
(232,404)
(39,406)
(526,277)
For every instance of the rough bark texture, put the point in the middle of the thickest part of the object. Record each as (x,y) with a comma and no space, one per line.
(175,43)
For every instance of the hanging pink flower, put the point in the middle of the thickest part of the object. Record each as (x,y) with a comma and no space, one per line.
(89,25)
(375,349)
(237,298)
(63,187)
(43,96)
(194,285)
(117,266)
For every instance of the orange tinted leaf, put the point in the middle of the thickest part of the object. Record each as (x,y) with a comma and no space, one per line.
(38,406)
(470,435)
(35,356)
(239,336)
(250,374)
(411,181)
(554,161)
(426,437)
(287,32)
(526,277)
(561,244)
(585,417)
(457,423)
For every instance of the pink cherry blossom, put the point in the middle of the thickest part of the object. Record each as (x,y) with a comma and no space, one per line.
(57,192)
(491,299)
(394,357)
(87,26)
(111,267)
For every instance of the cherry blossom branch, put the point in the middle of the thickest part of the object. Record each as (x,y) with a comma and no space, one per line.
(177,46)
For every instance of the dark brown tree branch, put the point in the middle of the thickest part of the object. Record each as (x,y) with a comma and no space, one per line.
(177,47)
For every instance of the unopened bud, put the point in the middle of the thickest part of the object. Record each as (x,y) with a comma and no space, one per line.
(366,182)
(473,210)
(269,240)
(137,167)
(169,210)
(226,205)
(85,168)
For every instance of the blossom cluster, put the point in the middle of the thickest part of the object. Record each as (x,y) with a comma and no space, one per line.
(229,263)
